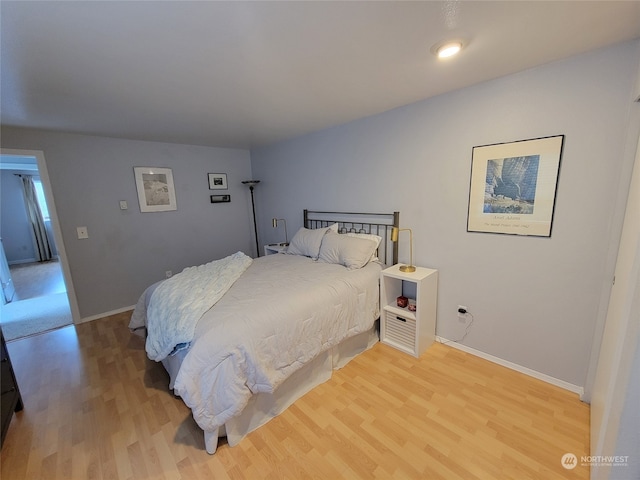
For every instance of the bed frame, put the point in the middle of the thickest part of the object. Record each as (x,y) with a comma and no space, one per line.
(264,406)
(379,224)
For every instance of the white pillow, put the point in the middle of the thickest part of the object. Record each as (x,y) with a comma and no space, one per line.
(352,252)
(307,242)
(369,236)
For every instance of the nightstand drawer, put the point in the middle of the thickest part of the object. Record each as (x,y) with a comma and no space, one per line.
(400,331)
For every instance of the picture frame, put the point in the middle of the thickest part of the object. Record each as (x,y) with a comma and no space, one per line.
(156,191)
(218,181)
(513,186)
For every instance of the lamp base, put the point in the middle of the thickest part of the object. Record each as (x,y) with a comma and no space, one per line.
(407,268)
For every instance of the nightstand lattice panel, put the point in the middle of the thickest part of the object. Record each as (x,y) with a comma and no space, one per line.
(401,331)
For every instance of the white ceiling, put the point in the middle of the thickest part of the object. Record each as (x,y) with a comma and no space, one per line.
(246,74)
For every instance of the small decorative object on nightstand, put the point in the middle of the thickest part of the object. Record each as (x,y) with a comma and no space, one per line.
(274,248)
(411,328)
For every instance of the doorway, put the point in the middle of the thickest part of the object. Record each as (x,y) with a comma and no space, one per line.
(44,297)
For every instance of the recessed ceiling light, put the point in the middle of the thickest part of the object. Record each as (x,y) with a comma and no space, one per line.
(447,49)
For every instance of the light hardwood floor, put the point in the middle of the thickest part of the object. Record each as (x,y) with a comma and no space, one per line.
(97,408)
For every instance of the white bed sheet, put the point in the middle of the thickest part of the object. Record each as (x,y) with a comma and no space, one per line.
(284,312)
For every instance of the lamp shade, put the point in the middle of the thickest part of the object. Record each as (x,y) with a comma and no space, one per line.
(251,183)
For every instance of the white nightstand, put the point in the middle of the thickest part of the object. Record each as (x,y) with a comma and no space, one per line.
(411,332)
(274,248)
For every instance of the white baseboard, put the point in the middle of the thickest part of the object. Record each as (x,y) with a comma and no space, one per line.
(29,260)
(105,314)
(514,366)
(24,260)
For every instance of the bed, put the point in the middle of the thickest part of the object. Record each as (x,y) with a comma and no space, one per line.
(278,325)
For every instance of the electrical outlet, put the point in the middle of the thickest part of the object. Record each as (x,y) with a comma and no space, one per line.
(82,232)
(168,274)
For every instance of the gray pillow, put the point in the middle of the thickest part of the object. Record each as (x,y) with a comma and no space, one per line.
(307,242)
(352,252)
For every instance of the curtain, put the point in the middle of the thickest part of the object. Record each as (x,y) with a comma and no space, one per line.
(41,239)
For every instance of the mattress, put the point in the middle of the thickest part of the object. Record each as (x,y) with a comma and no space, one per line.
(280,330)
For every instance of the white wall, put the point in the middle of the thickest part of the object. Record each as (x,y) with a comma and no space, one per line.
(128,250)
(535,300)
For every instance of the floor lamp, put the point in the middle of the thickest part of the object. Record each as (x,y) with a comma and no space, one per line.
(251,184)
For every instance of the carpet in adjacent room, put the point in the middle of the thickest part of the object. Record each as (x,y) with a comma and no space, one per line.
(34,315)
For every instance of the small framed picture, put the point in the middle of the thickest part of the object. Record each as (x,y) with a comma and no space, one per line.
(156,192)
(218,181)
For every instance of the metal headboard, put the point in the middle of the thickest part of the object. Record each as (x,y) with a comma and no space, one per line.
(379,224)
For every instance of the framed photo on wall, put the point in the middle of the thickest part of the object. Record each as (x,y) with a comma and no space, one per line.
(218,181)
(513,186)
(156,192)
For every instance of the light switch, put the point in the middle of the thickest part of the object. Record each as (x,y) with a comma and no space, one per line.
(123,205)
(83,232)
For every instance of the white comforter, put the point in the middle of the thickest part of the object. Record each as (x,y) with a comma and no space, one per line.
(179,302)
(280,314)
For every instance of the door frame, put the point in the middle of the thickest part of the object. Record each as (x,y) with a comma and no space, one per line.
(620,339)
(55,224)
